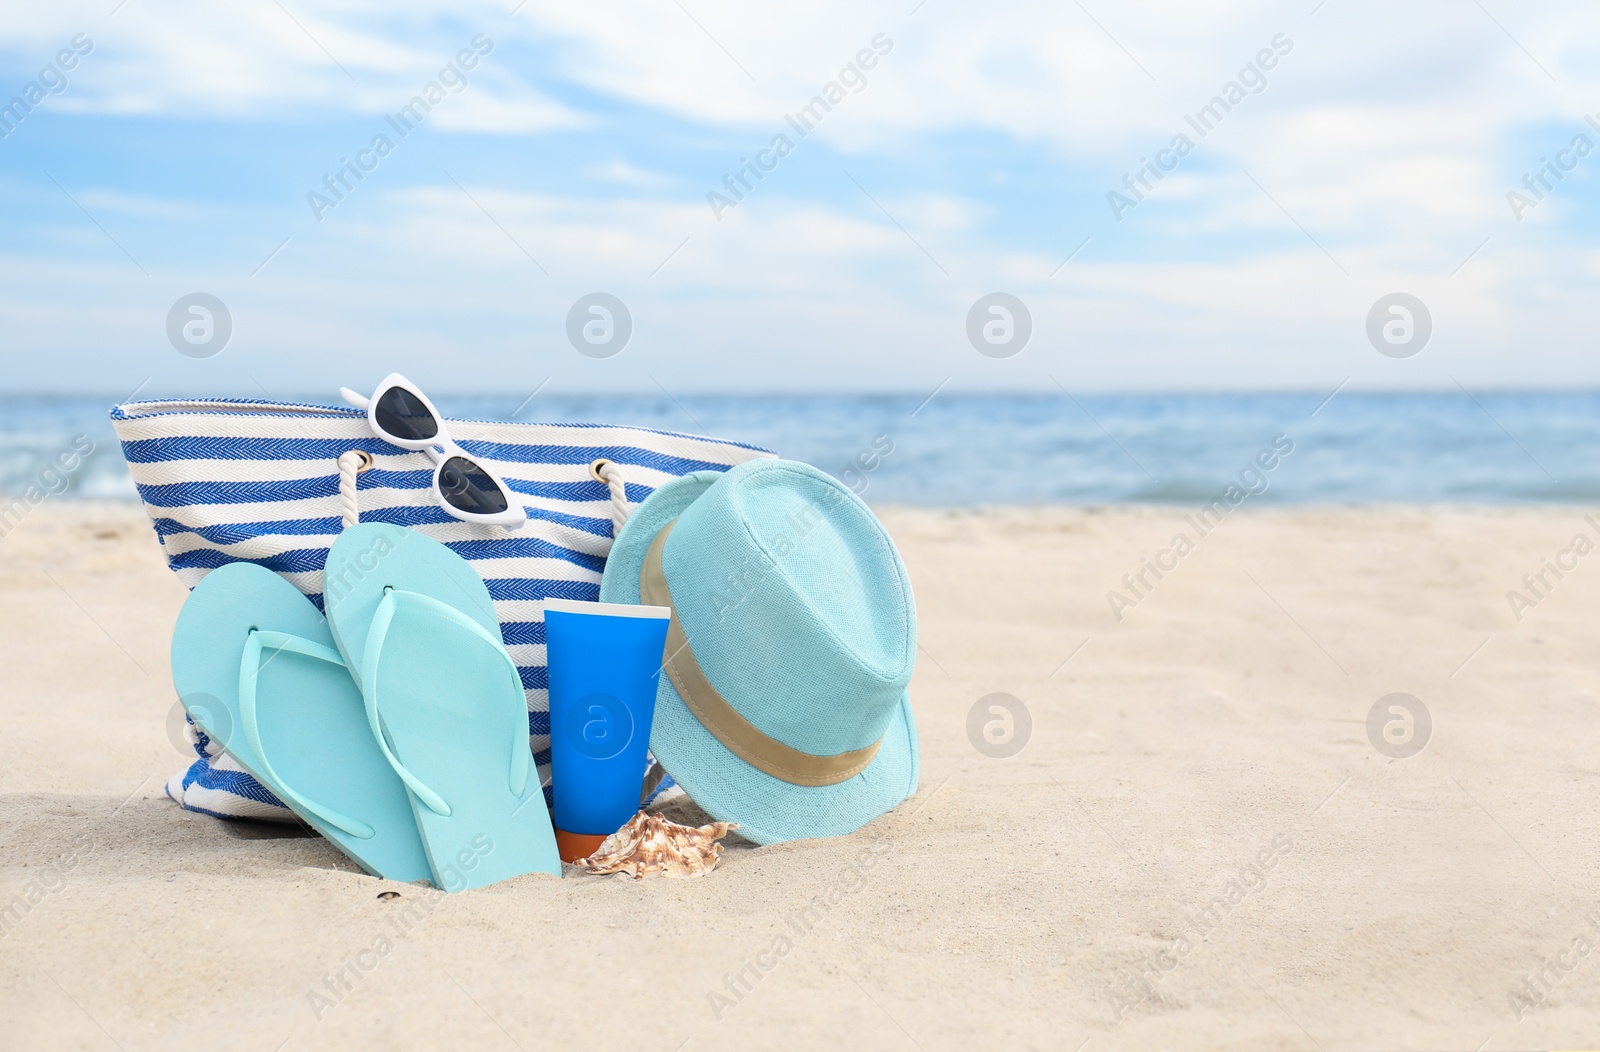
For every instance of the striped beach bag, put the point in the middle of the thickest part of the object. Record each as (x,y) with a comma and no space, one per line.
(273,483)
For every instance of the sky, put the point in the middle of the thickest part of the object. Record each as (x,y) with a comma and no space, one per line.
(1366,148)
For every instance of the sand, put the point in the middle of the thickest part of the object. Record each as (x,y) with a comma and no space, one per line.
(1198,846)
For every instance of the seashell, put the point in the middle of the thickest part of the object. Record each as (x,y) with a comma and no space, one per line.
(652,844)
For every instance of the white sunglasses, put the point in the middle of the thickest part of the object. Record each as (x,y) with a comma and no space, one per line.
(401,415)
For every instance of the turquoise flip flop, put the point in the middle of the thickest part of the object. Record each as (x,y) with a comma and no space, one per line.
(255,665)
(415,624)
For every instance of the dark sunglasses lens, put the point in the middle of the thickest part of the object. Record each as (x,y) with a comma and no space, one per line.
(402,414)
(467,487)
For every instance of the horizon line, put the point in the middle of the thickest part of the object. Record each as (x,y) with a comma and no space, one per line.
(646,393)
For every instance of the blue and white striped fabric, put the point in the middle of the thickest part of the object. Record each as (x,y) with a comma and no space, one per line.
(239,480)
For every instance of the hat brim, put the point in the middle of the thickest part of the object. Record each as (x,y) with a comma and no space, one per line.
(767,809)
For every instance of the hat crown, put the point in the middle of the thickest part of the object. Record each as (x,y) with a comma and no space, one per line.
(795,604)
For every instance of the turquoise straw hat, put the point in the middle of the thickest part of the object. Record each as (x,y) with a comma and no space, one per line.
(782,703)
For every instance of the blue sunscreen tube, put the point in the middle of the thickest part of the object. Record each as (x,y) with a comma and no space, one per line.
(605,664)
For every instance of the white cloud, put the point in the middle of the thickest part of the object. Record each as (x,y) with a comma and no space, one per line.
(269,60)
(624,174)
(790,295)
(1389,133)
(1034,70)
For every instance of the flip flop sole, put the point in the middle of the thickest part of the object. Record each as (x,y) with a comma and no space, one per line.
(312,742)
(447,699)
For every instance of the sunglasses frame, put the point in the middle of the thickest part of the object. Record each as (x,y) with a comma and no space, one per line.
(440,449)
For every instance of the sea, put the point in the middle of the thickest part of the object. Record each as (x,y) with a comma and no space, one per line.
(968,450)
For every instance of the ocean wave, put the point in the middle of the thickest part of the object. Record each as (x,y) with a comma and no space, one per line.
(963,450)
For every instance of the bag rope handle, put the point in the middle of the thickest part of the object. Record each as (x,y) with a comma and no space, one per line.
(354,461)
(605,471)
(351,463)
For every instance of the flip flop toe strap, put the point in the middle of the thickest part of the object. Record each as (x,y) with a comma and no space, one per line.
(393,601)
(255,645)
